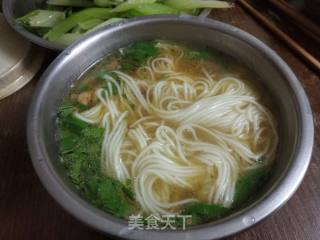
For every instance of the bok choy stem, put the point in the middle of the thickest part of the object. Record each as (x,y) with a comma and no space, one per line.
(71,3)
(66,25)
(42,18)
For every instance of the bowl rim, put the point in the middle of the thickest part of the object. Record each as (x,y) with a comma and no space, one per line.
(279,195)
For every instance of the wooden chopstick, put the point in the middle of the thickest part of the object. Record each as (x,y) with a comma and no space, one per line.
(301,21)
(283,36)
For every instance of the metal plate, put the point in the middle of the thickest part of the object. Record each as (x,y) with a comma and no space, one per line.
(13,9)
(19,60)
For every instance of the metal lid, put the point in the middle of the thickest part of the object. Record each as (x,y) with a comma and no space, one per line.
(19,60)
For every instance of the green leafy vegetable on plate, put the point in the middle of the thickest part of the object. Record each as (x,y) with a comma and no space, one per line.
(65,21)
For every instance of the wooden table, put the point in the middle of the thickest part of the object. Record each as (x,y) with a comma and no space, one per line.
(28,212)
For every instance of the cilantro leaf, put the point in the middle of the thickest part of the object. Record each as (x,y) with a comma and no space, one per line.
(202,212)
(137,54)
(80,149)
(66,110)
(248,183)
(200,54)
(83,88)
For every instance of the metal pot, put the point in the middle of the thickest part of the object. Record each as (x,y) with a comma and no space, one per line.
(295,124)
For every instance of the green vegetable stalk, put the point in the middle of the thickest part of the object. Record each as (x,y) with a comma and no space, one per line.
(64,26)
(42,18)
(70,3)
(126,6)
(154,9)
(108,3)
(89,24)
(68,38)
(105,23)
(64,21)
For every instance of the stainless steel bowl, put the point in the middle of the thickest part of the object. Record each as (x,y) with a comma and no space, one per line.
(12,9)
(292,110)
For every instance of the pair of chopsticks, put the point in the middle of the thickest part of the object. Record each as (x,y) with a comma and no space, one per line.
(312,28)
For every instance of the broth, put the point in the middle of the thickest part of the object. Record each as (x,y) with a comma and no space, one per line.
(165,128)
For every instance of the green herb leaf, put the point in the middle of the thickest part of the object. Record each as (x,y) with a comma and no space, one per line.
(68,143)
(82,107)
(201,54)
(74,124)
(81,151)
(137,54)
(83,88)
(202,212)
(66,110)
(248,183)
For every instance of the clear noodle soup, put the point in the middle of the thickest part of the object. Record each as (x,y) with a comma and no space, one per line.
(163,128)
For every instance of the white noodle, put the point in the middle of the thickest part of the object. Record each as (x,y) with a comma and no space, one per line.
(190,133)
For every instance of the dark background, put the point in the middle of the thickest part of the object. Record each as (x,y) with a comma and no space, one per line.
(28,212)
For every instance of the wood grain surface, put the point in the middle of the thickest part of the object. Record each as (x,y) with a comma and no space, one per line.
(28,212)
